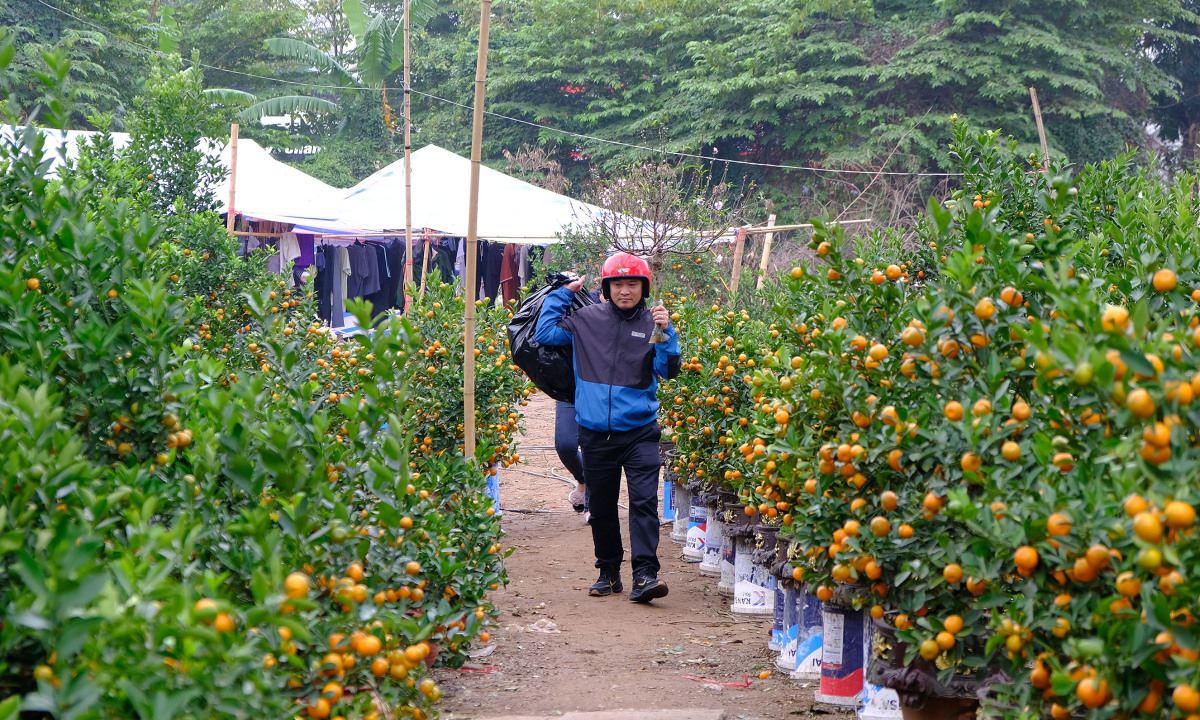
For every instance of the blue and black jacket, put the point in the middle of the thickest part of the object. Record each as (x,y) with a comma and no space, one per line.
(616,366)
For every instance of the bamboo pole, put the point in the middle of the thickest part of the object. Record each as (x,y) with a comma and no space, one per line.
(424,265)
(766,255)
(738,248)
(1037,115)
(485,21)
(408,235)
(233,139)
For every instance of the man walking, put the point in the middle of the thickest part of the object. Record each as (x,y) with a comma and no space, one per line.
(616,383)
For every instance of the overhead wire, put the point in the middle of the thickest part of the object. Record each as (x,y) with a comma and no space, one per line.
(540,126)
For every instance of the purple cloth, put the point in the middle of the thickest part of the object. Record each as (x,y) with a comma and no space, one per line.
(306,250)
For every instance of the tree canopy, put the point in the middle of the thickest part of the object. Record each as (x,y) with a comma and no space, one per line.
(853,84)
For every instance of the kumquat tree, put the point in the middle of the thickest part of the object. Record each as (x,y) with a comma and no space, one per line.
(211,506)
(991,443)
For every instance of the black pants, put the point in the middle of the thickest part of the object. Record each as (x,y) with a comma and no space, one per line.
(605,454)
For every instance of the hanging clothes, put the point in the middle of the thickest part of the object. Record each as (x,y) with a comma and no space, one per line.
(378,299)
(491,271)
(524,269)
(289,248)
(510,283)
(322,284)
(460,262)
(343,278)
(480,264)
(396,259)
(304,261)
(364,271)
(307,247)
(332,284)
(441,265)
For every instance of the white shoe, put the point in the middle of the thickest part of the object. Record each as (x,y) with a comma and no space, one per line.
(587,518)
(578,499)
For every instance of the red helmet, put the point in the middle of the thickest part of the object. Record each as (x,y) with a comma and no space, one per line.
(623,265)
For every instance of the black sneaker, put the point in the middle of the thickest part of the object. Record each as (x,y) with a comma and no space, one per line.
(609,583)
(646,588)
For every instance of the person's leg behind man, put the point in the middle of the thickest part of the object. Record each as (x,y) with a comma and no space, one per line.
(566,444)
(642,464)
(603,465)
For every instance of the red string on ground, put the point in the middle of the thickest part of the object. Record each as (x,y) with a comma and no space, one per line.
(745,683)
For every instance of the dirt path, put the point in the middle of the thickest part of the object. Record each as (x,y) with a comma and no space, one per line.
(607,653)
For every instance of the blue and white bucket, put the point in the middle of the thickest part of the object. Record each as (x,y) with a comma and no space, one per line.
(493,489)
(668,502)
(810,637)
(683,499)
(878,703)
(710,564)
(754,586)
(843,657)
(790,639)
(778,624)
(728,567)
(693,550)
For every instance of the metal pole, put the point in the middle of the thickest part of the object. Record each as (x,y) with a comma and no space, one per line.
(485,20)
(233,140)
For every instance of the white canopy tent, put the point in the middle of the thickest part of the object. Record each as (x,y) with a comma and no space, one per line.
(268,189)
(509,209)
(60,143)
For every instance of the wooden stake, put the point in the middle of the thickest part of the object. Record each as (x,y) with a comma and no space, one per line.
(424,265)
(233,138)
(485,21)
(767,241)
(408,235)
(1037,115)
(738,248)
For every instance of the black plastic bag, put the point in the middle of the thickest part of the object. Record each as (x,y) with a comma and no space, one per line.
(550,367)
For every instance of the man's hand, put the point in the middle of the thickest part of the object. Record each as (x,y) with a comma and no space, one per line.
(577,285)
(660,315)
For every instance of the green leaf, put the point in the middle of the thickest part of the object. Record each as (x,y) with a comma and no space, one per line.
(299,50)
(374,53)
(7,51)
(1138,363)
(74,635)
(168,40)
(10,707)
(33,620)
(230,95)
(31,573)
(286,105)
(422,11)
(1062,684)
(353,11)
(88,589)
